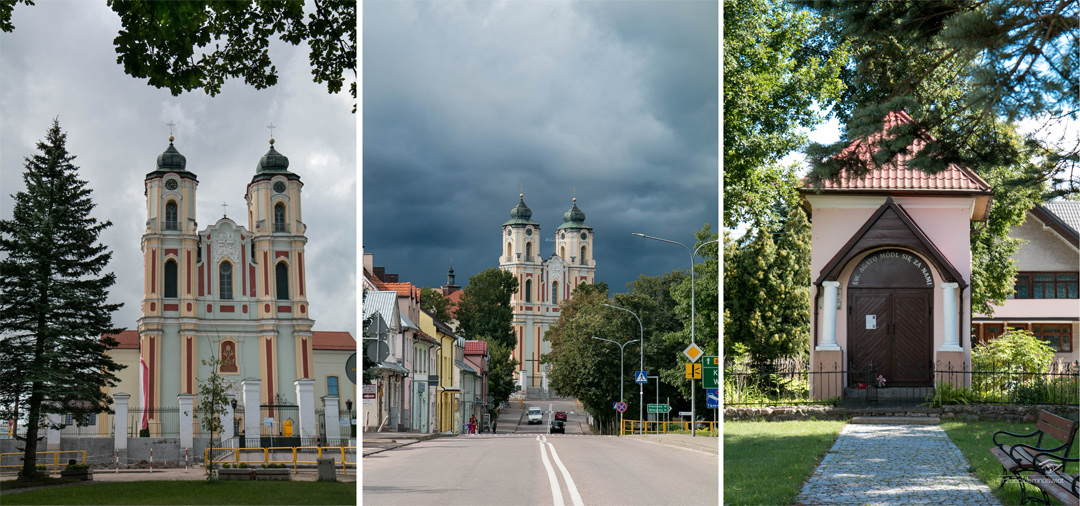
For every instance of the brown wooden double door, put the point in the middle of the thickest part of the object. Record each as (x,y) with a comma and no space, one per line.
(892,329)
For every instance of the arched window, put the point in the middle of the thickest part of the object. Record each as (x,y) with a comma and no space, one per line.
(281,271)
(509,250)
(554,292)
(528,251)
(583,262)
(170,216)
(279,218)
(225,280)
(170,279)
(528,290)
(562,252)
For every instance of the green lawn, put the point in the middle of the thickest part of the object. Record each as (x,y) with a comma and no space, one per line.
(975,439)
(191,492)
(768,462)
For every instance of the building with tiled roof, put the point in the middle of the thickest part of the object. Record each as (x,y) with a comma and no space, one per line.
(891,265)
(1045,301)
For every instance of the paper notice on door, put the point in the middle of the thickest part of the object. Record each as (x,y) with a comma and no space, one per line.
(871,321)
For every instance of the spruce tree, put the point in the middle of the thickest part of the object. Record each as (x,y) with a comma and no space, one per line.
(53,302)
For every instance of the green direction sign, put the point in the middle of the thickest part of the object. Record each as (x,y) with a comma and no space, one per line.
(710,372)
(659,408)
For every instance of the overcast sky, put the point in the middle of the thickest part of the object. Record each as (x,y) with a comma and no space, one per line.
(60,62)
(464,102)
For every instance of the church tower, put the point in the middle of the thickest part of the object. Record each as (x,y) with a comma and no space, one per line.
(278,240)
(542,283)
(170,247)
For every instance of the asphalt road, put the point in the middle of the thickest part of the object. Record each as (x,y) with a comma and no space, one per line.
(522,464)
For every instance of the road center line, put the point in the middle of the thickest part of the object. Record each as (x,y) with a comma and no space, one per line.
(556,493)
(574,495)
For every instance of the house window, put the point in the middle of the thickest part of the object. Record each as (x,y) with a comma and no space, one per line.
(583,262)
(170,216)
(331,385)
(528,290)
(554,292)
(70,420)
(281,271)
(225,280)
(279,218)
(1058,336)
(170,279)
(1047,285)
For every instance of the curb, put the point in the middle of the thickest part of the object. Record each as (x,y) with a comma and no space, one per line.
(410,440)
(897,420)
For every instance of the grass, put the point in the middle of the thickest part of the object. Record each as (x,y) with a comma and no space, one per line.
(975,439)
(192,492)
(40,482)
(768,462)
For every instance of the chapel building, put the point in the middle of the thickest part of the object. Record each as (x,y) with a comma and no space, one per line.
(543,282)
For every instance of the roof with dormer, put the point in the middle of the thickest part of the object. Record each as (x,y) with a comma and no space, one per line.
(171,161)
(273,164)
(521,214)
(574,218)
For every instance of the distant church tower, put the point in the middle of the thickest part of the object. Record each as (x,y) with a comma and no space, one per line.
(225,291)
(543,283)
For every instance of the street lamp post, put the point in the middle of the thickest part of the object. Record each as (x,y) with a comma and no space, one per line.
(641,364)
(622,348)
(693,255)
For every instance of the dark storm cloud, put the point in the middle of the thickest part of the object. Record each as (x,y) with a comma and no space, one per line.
(464,102)
(116,128)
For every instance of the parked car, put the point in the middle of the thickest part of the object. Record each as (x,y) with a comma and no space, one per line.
(536,415)
(557,426)
(560,415)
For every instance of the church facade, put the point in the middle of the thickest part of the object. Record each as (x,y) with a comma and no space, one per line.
(226,291)
(543,282)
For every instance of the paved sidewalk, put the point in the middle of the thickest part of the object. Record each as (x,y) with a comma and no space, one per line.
(699,443)
(894,464)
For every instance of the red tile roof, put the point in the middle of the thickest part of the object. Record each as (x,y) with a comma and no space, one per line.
(403,289)
(454,297)
(128,339)
(896,175)
(475,347)
(326,340)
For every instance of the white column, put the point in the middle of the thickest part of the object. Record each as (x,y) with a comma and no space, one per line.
(333,426)
(227,422)
(52,436)
(828,339)
(252,413)
(120,423)
(952,339)
(305,397)
(187,415)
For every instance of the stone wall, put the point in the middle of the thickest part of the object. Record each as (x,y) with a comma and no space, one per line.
(99,450)
(981,412)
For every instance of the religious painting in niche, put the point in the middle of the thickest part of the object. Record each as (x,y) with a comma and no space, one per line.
(228,357)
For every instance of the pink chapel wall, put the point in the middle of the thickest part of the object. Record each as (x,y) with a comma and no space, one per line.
(944,220)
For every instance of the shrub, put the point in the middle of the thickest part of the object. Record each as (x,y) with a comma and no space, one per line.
(1003,361)
(945,393)
(242,465)
(226,465)
(76,467)
(144,433)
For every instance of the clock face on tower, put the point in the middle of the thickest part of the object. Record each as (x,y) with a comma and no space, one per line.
(279,187)
(528,231)
(584,236)
(170,184)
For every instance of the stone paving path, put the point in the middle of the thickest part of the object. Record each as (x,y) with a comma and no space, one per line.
(892,465)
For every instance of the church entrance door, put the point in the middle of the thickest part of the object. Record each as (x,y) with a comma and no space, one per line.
(890,304)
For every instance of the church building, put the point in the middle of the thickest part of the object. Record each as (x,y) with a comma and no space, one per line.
(543,282)
(226,290)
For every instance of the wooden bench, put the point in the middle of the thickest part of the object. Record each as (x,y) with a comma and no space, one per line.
(1022,457)
(1062,487)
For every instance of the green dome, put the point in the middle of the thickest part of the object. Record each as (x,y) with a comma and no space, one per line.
(521,214)
(574,218)
(272,164)
(170,161)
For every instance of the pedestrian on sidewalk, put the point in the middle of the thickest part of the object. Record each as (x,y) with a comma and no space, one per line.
(493,424)
(472,424)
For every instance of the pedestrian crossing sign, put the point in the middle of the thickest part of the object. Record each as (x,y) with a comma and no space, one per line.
(641,377)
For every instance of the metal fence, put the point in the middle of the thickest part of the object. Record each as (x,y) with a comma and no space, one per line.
(160,422)
(346,429)
(866,385)
(99,425)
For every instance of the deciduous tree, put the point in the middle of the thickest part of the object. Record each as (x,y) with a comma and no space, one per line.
(484,311)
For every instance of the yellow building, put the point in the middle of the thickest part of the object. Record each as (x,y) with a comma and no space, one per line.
(447,412)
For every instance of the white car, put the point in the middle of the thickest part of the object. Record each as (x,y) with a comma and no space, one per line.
(536,415)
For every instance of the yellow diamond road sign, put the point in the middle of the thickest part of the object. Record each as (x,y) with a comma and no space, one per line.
(693,352)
